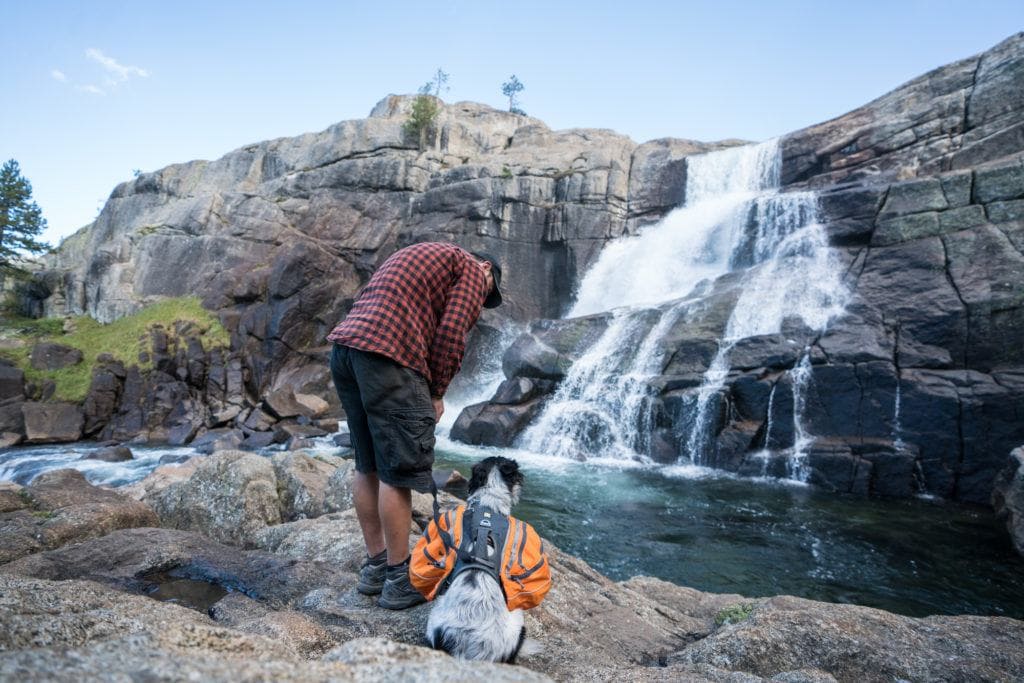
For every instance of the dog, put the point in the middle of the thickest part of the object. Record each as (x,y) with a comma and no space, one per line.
(471,620)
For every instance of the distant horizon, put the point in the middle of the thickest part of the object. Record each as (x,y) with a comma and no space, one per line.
(103,89)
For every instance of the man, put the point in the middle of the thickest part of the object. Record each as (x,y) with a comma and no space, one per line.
(394,355)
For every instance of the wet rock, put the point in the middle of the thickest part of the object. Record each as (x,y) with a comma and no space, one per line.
(52,422)
(110,454)
(1008,497)
(521,389)
(230,496)
(492,424)
(61,506)
(51,356)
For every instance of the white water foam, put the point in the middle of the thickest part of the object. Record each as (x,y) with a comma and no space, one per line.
(734,219)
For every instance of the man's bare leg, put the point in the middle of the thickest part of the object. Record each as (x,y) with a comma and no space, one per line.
(365,497)
(395,510)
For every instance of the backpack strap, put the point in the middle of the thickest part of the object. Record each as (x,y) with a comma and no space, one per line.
(446,536)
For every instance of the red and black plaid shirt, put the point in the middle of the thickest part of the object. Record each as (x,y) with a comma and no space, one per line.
(417,309)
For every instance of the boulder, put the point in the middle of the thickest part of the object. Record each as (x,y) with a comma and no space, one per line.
(101,401)
(302,483)
(52,356)
(258,441)
(8,439)
(11,497)
(493,424)
(281,404)
(61,506)
(1008,497)
(313,406)
(230,497)
(12,383)
(52,422)
(220,439)
(110,454)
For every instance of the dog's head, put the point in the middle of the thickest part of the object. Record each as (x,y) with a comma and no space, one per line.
(497,476)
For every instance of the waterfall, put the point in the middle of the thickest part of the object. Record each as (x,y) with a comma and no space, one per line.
(735,219)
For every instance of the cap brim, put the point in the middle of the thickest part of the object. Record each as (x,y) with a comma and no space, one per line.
(493,299)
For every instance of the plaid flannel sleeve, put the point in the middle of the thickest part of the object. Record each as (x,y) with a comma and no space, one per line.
(465,299)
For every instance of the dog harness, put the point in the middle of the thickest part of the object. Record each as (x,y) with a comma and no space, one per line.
(479,538)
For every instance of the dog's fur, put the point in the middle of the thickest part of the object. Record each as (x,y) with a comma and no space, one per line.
(471,620)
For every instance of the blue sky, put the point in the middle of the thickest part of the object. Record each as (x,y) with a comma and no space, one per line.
(96,89)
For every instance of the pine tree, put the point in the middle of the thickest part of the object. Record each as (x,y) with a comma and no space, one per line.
(511,89)
(21,220)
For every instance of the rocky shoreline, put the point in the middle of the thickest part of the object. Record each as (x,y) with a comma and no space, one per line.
(279,539)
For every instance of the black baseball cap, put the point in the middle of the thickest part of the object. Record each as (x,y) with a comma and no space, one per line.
(493,299)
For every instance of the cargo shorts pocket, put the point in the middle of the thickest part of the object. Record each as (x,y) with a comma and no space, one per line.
(411,433)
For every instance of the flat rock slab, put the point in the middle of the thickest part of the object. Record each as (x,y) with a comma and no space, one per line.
(52,422)
(77,630)
(861,643)
(61,506)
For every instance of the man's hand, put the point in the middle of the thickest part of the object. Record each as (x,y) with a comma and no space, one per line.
(438,407)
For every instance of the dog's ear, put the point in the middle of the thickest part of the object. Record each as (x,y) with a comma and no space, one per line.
(478,475)
(510,472)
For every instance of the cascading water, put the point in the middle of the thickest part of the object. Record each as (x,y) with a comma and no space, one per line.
(734,219)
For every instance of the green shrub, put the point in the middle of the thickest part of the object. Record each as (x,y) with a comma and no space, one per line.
(421,119)
(734,614)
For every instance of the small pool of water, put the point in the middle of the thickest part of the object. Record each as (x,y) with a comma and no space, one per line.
(718,533)
(197,595)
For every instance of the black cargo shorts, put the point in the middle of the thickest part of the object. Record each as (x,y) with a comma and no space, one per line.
(390,416)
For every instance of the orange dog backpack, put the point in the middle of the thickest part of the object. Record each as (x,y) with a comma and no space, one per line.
(478,538)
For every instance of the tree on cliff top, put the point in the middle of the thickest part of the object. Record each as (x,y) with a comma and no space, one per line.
(21,220)
(511,89)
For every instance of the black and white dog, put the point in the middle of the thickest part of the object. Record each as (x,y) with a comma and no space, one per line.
(471,619)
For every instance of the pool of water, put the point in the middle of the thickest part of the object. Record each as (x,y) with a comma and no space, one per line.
(718,533)
(712,531)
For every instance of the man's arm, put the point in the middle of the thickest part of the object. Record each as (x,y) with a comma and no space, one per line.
(465,299)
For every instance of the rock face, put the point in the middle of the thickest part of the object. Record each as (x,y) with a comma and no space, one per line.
(1008,497)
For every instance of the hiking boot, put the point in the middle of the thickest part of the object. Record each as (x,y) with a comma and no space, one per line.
(372,574)
(398,592)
